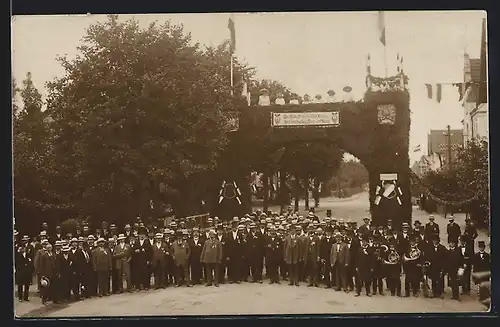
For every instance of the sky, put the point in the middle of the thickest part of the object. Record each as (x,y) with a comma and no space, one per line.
(308,52)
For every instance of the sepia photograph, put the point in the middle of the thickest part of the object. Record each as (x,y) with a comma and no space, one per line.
(279,163)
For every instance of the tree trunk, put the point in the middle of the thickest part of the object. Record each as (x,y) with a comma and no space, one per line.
(265,188)
(306,193)
(297,194)
(316,192)
(283,194)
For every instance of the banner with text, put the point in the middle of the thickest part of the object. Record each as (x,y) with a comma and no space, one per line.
(300,119)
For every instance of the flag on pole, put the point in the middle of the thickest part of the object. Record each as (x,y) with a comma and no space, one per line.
(381,26)
(245,93)
(434,91)
(417,148)
(230,25)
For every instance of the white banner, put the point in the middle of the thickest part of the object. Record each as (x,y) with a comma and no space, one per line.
(286,119)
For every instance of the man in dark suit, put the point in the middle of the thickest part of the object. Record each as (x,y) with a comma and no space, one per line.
(311,258)
(232,253)
(196,245)
(24,272)
(454,262)
(436,255)
(58,236)
(180,254)
(255,246)
(158,261)
(470,233)
(467,257)
(141,257)
(453,230)
(404,237)
(482,260)
(431,229)
(62,284)
(211,256)
(325,248)
(364,267)
(46,270)
(292,256)
(339,259)
(77,262)
(273,254)
(101,261)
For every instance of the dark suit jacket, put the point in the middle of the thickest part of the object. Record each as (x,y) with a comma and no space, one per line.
(436,258)
(196,249)
(454,260)
(24,267)
(141,254)
(181,253)
(233,247)
(101,260)
(481,264)
(310,247)
(341,257)
(273,249)
(47,265)
(325,247)
(292,250)
(211,251)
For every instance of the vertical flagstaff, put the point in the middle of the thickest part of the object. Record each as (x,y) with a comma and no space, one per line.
(381,30)
(232,44)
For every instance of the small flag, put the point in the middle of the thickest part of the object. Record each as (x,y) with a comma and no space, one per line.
(417,148)
(230,25)
(381,26)
(438,91)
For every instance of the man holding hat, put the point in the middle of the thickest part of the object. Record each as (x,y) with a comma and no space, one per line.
(453,229)
(46,270)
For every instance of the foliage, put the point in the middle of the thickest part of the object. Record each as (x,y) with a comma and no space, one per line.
(467,183)
(138,108)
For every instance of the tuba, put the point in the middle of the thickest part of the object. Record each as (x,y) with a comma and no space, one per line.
(393,257)
(413,255)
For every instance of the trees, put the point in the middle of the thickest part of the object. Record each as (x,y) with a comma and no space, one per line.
(139,108)
(467,185)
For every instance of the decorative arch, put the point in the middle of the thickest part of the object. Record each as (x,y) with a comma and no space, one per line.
(375,130)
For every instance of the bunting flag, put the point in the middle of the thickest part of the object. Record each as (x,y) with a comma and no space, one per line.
(381,26)
(399,66)
(368,65)
(417,148)
(230,25)
(434,93)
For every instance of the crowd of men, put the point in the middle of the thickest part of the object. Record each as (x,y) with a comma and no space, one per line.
(335,253)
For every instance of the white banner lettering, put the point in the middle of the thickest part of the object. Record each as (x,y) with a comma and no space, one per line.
(286,119)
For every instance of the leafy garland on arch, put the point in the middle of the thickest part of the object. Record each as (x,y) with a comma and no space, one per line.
(43,206)
(415,179)
(398,82)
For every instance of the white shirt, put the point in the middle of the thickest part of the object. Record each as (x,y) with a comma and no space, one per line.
(141,242)
(294,101)
(122,245)
(264,100)
(463,251)
(338,247)
(195,240)
(279,101)
(235,235)
(331,99)
(158,245)
(347,97)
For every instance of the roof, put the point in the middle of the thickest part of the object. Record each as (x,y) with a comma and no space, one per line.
(475,69)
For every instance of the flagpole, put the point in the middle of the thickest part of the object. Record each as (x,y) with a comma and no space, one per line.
(232,73)
(385,60)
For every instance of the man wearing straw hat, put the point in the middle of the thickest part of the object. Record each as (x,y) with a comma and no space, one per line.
(24,271)
(158,261)
(102,265)
(211,256)
(122,255)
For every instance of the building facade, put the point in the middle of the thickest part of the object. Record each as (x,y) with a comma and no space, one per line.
(437,144)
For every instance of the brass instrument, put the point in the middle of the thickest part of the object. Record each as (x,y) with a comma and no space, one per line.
(413,255)
(460,272)
(384,247)
(393,257)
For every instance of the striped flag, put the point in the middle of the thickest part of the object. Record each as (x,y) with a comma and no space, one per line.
(230,25)
(381,26)
(434,91)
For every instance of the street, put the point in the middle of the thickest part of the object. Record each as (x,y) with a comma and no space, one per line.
(249,298)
